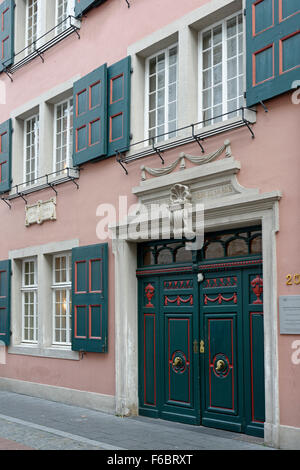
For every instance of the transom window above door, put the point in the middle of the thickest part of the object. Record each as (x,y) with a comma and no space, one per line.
(161,94)
(221,70)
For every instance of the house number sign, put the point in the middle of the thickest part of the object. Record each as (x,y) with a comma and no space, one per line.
(292,279)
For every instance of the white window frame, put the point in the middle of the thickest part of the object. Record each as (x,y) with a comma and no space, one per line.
(166,104)
(27,289)
(59,286)
(69,145)
(224,67)
(29,44)
(32,181)
(69,12)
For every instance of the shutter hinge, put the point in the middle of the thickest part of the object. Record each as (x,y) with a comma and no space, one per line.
(245,11)
(245,94)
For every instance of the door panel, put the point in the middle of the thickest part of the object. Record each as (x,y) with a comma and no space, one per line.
(221,364)
(148,345)
(222,372)
(179,328)
(253,328)
(169,367)
(178,386)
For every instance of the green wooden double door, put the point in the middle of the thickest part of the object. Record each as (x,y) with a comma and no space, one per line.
(201,349)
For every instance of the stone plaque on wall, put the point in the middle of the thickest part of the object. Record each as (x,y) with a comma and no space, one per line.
(40,212)
(289,314)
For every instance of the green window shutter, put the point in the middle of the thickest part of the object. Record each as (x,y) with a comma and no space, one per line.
(119,79)
(90,116)
(82,6)
(90,298)
(7,33)
(5,156)
(5,273)
(273,47)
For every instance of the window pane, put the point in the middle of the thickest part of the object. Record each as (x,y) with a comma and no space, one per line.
(232,68)
(206,59)
(207,79)
(172,92)
(173,56)
(217,74)
(162,104)
(206,40)
(231,47)
(217,54)
(206,99)
(152,66)
(152,101)
(231,27)
(217,35)
(232,88)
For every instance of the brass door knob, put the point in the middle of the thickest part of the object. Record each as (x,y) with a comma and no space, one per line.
(220,365)
(177,362)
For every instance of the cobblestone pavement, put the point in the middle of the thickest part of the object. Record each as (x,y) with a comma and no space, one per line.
(34,423)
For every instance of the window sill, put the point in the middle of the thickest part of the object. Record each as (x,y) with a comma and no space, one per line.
(47,181)
(193,133)
(42,44)
(53,352)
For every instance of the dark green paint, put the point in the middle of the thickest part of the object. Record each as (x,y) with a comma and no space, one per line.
(232,331)
(263,48)
(5,156)
(7,33)
(5,290)
(90,116)
(82,6)
(118,105)
(90,298)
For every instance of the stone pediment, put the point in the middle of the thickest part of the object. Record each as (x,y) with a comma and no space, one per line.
(207,183)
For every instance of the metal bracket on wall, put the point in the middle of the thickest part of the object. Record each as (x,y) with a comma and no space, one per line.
(119,160)
(264,106)
(6,202)
(157,151)
(197,138)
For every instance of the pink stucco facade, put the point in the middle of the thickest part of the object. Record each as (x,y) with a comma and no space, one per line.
(270,162)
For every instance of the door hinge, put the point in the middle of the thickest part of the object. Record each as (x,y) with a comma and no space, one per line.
(202,349)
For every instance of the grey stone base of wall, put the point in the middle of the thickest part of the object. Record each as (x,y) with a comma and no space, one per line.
(68,396)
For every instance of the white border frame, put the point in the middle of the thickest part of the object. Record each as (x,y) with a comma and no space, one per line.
(69,141)
(224,61)
(32,288)
(166,104)
(44,348)
(36,149)
(67,286)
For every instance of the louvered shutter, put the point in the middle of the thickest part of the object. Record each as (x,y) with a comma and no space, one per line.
(5,273)
(7,33)
(273,47)
(119,78)
(90,298)
(5,156)
(82,6)
(90,116)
